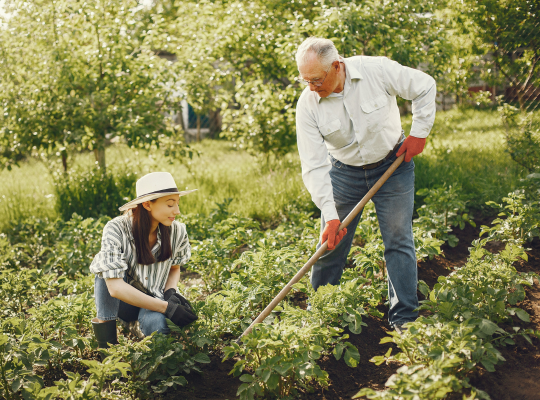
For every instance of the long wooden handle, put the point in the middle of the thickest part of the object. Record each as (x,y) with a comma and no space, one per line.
(281,295)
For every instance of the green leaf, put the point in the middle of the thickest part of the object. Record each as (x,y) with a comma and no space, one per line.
(202,358)
(246,378)
(488,365)
(282,369)
(273,381)
(522,315)
(488,327)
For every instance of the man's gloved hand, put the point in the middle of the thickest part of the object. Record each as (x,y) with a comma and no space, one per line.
(331,233)
(413,146)
(180,315)
(172,292)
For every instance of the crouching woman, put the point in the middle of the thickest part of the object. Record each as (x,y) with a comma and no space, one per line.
(138,267)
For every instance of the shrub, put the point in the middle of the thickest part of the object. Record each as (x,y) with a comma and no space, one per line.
(93,193)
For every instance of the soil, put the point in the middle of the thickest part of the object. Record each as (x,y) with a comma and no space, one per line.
(516,379)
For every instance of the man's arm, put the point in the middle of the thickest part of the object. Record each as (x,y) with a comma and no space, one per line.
(415,85)
(314,159)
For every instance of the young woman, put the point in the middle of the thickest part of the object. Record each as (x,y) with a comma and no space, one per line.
(138,267)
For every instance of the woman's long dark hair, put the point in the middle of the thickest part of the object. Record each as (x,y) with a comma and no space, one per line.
(142,223)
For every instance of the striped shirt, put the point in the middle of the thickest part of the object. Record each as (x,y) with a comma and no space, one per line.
(118,256)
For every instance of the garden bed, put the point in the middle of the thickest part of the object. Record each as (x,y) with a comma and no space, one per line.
(516,379)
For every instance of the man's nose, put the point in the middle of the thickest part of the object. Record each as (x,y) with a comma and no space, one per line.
(312,87)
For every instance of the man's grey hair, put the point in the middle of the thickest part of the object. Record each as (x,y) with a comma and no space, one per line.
(324,49)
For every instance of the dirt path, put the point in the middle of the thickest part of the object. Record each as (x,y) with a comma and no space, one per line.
(516,379)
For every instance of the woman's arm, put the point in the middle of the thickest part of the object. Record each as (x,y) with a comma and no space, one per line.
(122,290)
(174,277)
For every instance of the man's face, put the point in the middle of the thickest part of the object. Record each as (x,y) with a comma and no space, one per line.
(313,71)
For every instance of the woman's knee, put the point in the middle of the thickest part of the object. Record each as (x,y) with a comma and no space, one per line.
(152,321)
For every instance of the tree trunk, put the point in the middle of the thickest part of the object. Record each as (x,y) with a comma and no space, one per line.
(64,161)
(198,128)
(99,154)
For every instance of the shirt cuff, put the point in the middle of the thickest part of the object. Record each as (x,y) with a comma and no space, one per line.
(329,212)
(420,130)
(111,274)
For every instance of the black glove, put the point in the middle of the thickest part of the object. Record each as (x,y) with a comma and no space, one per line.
(173,293)
(179,314)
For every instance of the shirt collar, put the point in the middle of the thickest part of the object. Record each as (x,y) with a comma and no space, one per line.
(352,73)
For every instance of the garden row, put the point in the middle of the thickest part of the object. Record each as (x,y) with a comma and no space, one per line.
(469,313)
(46,294)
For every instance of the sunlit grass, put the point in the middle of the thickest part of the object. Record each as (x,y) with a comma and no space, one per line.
(25,191)
(465,148)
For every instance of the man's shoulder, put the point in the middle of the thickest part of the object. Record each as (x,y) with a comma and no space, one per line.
(366,62)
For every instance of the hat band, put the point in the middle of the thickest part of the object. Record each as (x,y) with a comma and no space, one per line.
(160,191)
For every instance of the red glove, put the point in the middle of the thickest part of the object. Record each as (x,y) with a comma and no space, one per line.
(331,233)
(413,146)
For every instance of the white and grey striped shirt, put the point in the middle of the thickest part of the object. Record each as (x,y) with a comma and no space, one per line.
(118,256)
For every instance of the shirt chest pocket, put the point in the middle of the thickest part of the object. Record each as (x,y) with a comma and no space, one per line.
(334,136)
(375,112)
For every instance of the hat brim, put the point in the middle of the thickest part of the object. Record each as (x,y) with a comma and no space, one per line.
(148,197)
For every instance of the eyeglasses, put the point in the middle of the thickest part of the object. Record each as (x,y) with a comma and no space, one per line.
(315,83)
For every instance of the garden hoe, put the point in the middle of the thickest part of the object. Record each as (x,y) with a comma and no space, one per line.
(281,295)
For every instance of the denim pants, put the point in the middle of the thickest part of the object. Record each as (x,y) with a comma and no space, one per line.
(109,308)
(394,206)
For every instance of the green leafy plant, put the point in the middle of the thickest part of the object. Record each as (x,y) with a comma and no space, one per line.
(444,207)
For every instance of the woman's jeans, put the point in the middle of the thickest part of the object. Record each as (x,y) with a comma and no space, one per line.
(394,205)
(109,308)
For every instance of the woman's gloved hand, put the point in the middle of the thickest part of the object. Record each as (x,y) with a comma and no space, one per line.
(179,314)
(331,233)
(413,146)
(172,292)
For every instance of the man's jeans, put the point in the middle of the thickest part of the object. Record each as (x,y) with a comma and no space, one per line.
(394,205)
(109,308)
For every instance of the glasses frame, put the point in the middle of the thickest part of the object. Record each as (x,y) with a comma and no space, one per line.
(316,83)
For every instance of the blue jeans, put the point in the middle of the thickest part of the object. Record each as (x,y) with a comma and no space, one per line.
(394,205)
(109,308)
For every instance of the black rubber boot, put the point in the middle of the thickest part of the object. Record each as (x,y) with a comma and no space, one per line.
(105,333)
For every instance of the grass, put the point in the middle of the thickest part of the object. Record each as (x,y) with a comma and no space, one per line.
(465,148)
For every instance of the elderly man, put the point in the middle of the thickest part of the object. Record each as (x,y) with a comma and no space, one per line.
(349,132)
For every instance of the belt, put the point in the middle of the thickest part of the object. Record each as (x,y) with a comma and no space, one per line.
(376,164)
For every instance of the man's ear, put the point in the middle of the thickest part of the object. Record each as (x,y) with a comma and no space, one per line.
(337,65)
(147,206)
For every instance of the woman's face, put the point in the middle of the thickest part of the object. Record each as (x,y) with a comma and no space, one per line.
(163,210)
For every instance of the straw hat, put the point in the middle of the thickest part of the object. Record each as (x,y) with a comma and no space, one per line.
(153,186)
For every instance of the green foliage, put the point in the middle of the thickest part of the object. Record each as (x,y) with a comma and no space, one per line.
(94,192)
(154,364)
(97,78)
(418,382)
(443,208)
(522,131)
(283,359)
(520,220)
(509,34)
(484,288)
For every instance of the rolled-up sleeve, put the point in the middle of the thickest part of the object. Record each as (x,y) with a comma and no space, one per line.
(182,250)
(415,85)
(110,262)
(314,160)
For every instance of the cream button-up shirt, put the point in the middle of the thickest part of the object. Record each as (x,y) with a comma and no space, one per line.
(361,124)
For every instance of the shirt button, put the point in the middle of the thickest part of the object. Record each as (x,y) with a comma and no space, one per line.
(146,278)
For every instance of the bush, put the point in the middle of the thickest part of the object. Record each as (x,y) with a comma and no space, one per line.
(93,193)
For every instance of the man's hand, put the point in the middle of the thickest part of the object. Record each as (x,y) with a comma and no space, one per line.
(331,233)
(413,146)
